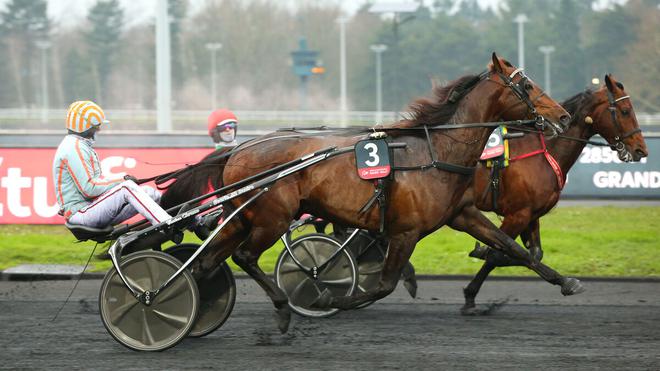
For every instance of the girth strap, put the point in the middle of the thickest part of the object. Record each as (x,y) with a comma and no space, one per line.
(494,184)
(380,196)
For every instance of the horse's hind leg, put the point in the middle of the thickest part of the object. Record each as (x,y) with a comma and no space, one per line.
(247,257)
(398,253)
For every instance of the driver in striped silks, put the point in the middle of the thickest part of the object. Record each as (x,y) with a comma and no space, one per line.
(84,195)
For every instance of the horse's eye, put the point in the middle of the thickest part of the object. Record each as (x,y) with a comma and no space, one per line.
(528,86)
(625,112)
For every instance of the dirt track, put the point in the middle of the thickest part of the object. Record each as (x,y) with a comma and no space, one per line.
(612,326)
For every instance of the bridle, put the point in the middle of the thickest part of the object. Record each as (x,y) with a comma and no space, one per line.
(518,89)
(618,139)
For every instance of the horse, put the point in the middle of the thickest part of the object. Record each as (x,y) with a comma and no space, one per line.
(421,199)
(530,186)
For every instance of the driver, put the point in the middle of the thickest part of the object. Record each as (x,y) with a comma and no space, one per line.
(222,125)
(84,195)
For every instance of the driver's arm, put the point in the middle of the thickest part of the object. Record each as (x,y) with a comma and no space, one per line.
(82,164)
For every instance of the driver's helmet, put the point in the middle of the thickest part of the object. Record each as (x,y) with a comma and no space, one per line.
(84,115)
(222,125)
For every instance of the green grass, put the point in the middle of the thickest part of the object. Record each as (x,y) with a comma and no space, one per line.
(585,241)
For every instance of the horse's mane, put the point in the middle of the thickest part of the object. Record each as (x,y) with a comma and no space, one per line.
(579,105)
(442,105)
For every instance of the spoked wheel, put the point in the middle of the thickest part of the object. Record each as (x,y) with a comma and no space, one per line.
(339,276)
(158,326)
(370,257)
(217,293)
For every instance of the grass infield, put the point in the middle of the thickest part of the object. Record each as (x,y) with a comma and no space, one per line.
(582,241)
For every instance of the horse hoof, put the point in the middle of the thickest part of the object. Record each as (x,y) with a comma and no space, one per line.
(572,286)
(469,310)
(283,318)
(479,252)
(411,286)
(473,310)
(323,301)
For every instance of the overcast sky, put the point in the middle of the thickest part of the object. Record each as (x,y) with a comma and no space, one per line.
(69,12)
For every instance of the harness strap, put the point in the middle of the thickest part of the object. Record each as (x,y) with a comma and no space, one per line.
(561,181)
(378,195)
(493,185)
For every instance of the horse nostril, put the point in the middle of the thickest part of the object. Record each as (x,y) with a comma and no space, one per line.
(641,152)
(564,120)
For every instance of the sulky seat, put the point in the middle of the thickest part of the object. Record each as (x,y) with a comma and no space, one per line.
(84,233)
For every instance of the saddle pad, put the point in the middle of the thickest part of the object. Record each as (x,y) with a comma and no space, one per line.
(372,159)
(495,145)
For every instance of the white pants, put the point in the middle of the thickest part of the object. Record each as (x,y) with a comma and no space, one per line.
(120,203)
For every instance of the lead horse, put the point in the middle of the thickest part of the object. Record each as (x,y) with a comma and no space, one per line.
(530,186)
(420,200)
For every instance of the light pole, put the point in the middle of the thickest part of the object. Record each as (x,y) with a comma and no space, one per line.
(546,50)
(163,68)
(397,9)
(521,19)
(343,104)
(379,49)
(213,47)
(44,45)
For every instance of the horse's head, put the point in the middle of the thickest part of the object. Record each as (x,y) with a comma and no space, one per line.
(521,98)
(614,119)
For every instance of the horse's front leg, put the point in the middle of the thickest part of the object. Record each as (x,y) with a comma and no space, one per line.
(531,237)
(486,232)
(398,253)
(469,221)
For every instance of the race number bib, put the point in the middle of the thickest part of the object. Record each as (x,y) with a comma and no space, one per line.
(495,145)
(372,159)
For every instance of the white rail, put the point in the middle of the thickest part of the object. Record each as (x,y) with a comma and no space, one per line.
(195,121)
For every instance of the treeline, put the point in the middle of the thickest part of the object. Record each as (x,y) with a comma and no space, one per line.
(103,59)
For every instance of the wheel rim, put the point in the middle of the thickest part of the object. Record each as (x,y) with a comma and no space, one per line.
(370,258)
(217,293)
(339,276)
(163,323)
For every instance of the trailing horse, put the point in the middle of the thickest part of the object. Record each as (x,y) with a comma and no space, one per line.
(423,196)
(530,186)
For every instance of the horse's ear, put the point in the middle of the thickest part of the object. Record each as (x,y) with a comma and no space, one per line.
(497,66)
(609,83)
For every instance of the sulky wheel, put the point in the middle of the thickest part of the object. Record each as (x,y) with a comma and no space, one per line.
(370,257)
(158,326)
(217,293)
(339,276)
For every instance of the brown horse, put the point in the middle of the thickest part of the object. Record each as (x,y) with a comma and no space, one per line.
(420,201)
(529,188)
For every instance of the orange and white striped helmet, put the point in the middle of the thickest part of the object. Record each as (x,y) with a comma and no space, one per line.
(83,115)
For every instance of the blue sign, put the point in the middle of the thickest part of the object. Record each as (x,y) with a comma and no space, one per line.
(304,60)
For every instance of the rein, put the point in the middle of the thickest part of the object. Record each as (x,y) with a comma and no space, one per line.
(562,136)
(517,88)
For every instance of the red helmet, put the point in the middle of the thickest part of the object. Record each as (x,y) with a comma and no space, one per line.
(221,117)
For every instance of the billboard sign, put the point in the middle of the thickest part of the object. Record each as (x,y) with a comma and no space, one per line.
(27,194)
(598,173)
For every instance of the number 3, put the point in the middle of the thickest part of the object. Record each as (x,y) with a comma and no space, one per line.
(373,150)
